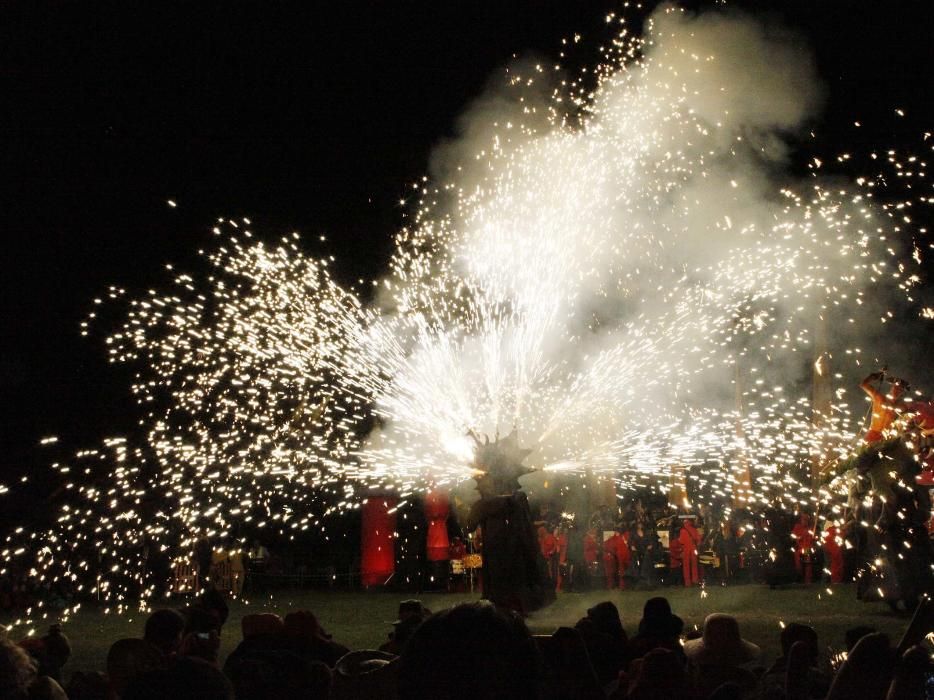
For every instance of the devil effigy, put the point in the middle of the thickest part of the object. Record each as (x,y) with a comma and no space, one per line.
(889,495)
(514,574)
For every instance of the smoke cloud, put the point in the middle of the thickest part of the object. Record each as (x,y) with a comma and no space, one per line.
(624,273)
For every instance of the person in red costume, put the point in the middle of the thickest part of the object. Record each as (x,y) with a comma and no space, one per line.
(549,546)
(437,543)
(833,553)
(804,547)
(674,554)
(561,536)
(690,539)
(884,410)
(437,510)
(623,557)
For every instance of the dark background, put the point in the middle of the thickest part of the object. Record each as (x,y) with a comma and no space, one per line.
(306,116)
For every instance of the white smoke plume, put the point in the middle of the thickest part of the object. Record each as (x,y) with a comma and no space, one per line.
(586,232)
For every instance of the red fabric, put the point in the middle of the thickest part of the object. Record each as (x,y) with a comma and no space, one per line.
(549,545)
(457,550)
(674,553)
(689,539)
(623,555)
(924,420)
(563,548)
(834,554)
(377,543)
(924,413)
(437,510)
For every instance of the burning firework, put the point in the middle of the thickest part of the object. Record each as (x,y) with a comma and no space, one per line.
(630,284)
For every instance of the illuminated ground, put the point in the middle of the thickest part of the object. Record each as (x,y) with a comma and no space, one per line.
(360,620)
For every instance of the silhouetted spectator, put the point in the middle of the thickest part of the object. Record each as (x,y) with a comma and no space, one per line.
(262,632)
(854,634)
(17,670)
(659,674)
(201,645)
(305,636)
(606,641)
(410,616)
(658,628)
(867,670)
(444,658)
(129,658)
(214,602)
(911,674)
(569,674)
(200,619)
(812,681)
(164,630)
(721,654)
(50,652)
(402,632)
(185,679)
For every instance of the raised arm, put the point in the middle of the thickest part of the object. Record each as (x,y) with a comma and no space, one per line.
(867,385)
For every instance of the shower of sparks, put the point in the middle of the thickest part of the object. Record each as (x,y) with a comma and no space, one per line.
(601,286)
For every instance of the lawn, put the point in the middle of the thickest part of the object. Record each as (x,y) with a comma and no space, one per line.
(361,620)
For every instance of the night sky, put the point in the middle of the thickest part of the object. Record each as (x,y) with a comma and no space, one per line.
(300,115)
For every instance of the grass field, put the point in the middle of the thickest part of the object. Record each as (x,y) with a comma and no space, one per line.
(361,620)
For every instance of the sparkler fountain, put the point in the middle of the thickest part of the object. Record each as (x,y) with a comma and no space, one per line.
(601,279)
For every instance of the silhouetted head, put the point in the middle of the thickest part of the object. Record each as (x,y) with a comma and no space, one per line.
(796,632)
(471,651)
(164,630)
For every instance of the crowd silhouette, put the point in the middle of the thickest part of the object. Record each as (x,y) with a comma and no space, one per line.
(473,651)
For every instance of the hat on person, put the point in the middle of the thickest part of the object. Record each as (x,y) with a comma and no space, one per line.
(658,620)
(410,608)
(721,643)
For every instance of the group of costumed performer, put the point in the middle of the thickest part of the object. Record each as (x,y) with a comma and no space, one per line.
(892,472)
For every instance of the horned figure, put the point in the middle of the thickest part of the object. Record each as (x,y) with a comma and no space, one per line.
(514,573)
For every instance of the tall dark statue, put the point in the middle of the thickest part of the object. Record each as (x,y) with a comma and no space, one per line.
(514,573)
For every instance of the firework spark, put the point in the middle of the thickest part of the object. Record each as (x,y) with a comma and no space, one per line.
(628,285)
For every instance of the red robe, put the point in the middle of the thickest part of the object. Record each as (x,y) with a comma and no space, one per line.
(674,552)
(834,554)
(436,512)
(690,539)
(623,557)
